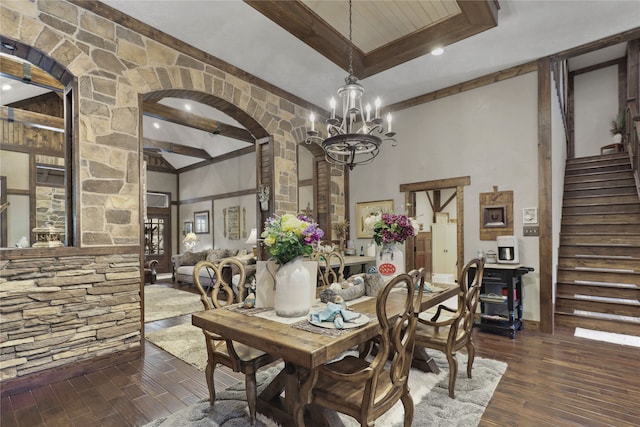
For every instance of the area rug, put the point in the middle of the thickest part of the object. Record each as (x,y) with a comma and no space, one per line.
(433,407)
(185,342)
(608,337)
(162,302)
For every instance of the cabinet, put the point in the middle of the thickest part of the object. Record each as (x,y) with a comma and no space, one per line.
(444,247)
(501,298)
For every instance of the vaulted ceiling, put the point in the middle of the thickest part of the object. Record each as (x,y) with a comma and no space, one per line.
(302,48)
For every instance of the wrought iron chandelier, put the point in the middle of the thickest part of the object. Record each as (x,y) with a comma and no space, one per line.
(357,137)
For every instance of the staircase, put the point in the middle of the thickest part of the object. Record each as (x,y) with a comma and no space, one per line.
(598,281)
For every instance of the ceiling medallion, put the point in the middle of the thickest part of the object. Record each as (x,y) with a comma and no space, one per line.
(357,137)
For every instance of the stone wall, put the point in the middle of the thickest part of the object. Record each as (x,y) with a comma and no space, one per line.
(60,310)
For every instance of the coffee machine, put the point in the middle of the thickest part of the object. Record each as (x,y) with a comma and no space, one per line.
(508,250)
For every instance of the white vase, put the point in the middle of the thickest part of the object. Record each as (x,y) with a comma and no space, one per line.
(390,261)
(293,290)
(617,138)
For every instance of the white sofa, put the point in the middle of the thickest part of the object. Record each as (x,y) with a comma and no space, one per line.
(183,265)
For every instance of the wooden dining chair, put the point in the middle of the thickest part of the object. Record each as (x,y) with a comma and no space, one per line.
(455,332)
(366,388)
(328,274)
(221,350)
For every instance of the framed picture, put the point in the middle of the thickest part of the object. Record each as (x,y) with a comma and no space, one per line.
(530,215)
(494,216)
(188,227)
(442,217)
(232,222)
(201,222)
(364,209)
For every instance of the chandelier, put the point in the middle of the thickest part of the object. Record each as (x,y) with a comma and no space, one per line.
(356,138)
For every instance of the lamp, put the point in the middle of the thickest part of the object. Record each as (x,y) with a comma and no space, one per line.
(252,240)
(190,241)
(355,140)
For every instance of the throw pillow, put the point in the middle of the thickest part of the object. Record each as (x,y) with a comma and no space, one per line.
(231,252)
(192,258)
(216,254)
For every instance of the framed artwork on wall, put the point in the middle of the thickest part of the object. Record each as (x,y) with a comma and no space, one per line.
(201,222)
(232,222)
(364,209)
(188,227)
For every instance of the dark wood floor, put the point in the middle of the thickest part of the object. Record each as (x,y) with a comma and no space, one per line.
(552,380)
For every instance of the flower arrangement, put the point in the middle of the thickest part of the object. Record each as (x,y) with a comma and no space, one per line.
(389,228)
(290,236)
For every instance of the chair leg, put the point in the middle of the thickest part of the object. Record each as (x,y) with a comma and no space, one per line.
(209,371)
(252,394)
(407,402)
(453,372)
(471,353)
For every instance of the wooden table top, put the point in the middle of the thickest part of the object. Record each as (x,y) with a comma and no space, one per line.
(298,346)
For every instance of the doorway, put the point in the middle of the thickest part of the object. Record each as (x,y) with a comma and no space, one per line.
(438,195)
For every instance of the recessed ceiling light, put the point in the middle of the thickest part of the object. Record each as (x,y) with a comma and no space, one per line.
(6,86)
(437,51)
(187,107)
(156,125)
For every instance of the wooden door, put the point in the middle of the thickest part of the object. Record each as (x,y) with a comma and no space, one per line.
(157,239)
(422,251)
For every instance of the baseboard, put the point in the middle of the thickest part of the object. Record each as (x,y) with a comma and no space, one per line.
(39,379)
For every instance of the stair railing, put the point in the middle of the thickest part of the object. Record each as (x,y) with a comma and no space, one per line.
(632,130)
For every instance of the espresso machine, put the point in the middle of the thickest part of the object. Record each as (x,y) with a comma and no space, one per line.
(508,250)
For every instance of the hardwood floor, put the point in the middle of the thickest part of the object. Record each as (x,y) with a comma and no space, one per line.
(552,380)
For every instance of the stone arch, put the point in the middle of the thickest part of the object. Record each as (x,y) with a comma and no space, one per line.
(230,109)
(36,57)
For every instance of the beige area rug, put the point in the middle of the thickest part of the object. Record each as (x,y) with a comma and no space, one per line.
(185,342)
(608,337)
(433,407)
(161,302)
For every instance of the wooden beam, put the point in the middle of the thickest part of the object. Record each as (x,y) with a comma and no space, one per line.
(28,73)
(221,158)
(545,199)
(31,118)
(171,147)
(174,115)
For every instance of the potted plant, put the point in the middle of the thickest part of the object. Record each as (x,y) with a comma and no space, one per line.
(617,128)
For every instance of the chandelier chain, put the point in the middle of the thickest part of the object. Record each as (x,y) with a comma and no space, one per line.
(350,41)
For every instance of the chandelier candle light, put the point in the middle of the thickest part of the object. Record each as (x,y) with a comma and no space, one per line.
(356,139)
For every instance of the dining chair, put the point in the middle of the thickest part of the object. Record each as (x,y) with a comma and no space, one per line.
(327,273)
(366,388)
(221,350)
(455,331)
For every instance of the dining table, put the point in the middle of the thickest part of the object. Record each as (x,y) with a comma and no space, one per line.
(304,346)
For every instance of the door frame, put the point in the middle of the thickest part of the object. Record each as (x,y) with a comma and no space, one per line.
(410,190)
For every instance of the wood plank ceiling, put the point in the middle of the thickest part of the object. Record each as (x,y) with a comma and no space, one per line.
(385,33)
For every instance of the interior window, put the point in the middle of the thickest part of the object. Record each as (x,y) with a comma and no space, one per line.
(33,154)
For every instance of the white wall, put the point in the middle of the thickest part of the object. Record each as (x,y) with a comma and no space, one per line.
(596,105)
(233,175)
(489,134)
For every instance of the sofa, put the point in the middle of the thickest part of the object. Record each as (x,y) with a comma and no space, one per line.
(183,265)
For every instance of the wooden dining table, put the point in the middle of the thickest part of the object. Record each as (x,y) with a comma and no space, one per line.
(304,347)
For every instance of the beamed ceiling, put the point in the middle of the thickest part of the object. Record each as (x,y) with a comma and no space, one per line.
(299,51)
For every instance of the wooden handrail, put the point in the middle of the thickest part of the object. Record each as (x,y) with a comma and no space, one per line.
(631,133)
